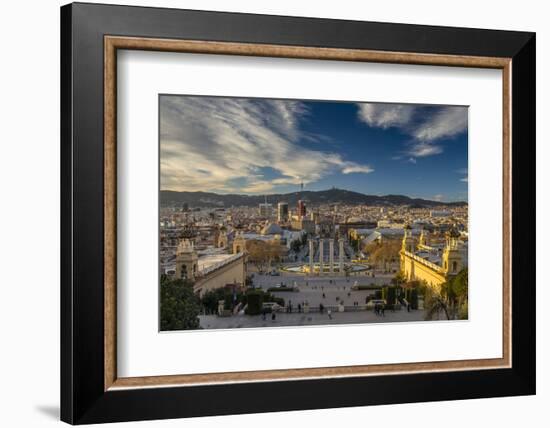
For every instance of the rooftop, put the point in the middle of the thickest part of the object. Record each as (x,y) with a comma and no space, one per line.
(213,261)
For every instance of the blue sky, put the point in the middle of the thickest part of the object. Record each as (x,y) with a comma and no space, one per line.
(260,146)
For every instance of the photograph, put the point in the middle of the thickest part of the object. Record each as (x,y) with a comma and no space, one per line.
(279,212)
(271,212)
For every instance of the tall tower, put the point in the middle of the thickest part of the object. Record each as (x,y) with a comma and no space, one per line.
(222,237)
(282,212)
(186,260)
(311,254)
(408,240)
(321,257)
(239,243)
(452,259)
(422,239)
(301,208)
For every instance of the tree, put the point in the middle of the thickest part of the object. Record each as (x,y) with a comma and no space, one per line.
(382,253)
(255,300)
(296,245)
(257,254)
(399,279)
(262,254)
(179,306)
(211,298)
(451,299)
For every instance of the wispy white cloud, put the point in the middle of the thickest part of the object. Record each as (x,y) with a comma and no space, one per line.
(423,149)
(439,197)
(425,124)
(386,115)
(446,122)
(350,169)
(228,144)
(464,179)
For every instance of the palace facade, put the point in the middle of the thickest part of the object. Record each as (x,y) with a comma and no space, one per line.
(420,261)
(209,271)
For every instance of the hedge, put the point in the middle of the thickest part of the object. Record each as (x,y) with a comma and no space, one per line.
(255,301)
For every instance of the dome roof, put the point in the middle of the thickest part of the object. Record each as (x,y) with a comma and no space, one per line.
(272,229)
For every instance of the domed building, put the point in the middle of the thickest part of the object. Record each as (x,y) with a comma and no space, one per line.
(272,229)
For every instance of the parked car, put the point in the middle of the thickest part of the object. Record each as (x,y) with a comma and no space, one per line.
(274,273)
(269,307)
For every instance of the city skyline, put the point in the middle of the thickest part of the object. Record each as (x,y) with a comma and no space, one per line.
(265,146)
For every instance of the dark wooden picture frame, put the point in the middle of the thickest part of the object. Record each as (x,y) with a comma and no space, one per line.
(90,37)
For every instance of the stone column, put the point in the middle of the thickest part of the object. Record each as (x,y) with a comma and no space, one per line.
(331,255)
(321,257)
(341,255)
(311,257)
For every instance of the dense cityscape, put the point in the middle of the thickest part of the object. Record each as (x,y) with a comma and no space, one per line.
(280,212)
(280,265)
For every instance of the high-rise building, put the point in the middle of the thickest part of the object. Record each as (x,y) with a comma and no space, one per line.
(282,212)
(266,210)
(301,208)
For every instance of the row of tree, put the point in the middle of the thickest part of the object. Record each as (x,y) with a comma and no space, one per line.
(262,254)
(383,253)
(253,299)
(180,306)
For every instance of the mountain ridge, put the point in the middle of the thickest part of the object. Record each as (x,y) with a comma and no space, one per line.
(334,195)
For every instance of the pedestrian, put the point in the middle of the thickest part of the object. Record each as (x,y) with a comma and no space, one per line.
(329,314)
(408,307)
(299,308)
(321,307)
(263,314)
(273,316)
(383,310)
(324,295)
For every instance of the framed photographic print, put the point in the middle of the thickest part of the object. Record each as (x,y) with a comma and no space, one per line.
(273,213)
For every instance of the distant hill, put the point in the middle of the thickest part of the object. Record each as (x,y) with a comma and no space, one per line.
(206,199)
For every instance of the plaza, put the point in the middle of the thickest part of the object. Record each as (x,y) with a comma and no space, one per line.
(332,292)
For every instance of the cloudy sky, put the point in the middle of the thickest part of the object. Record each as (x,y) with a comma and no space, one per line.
(259,146)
